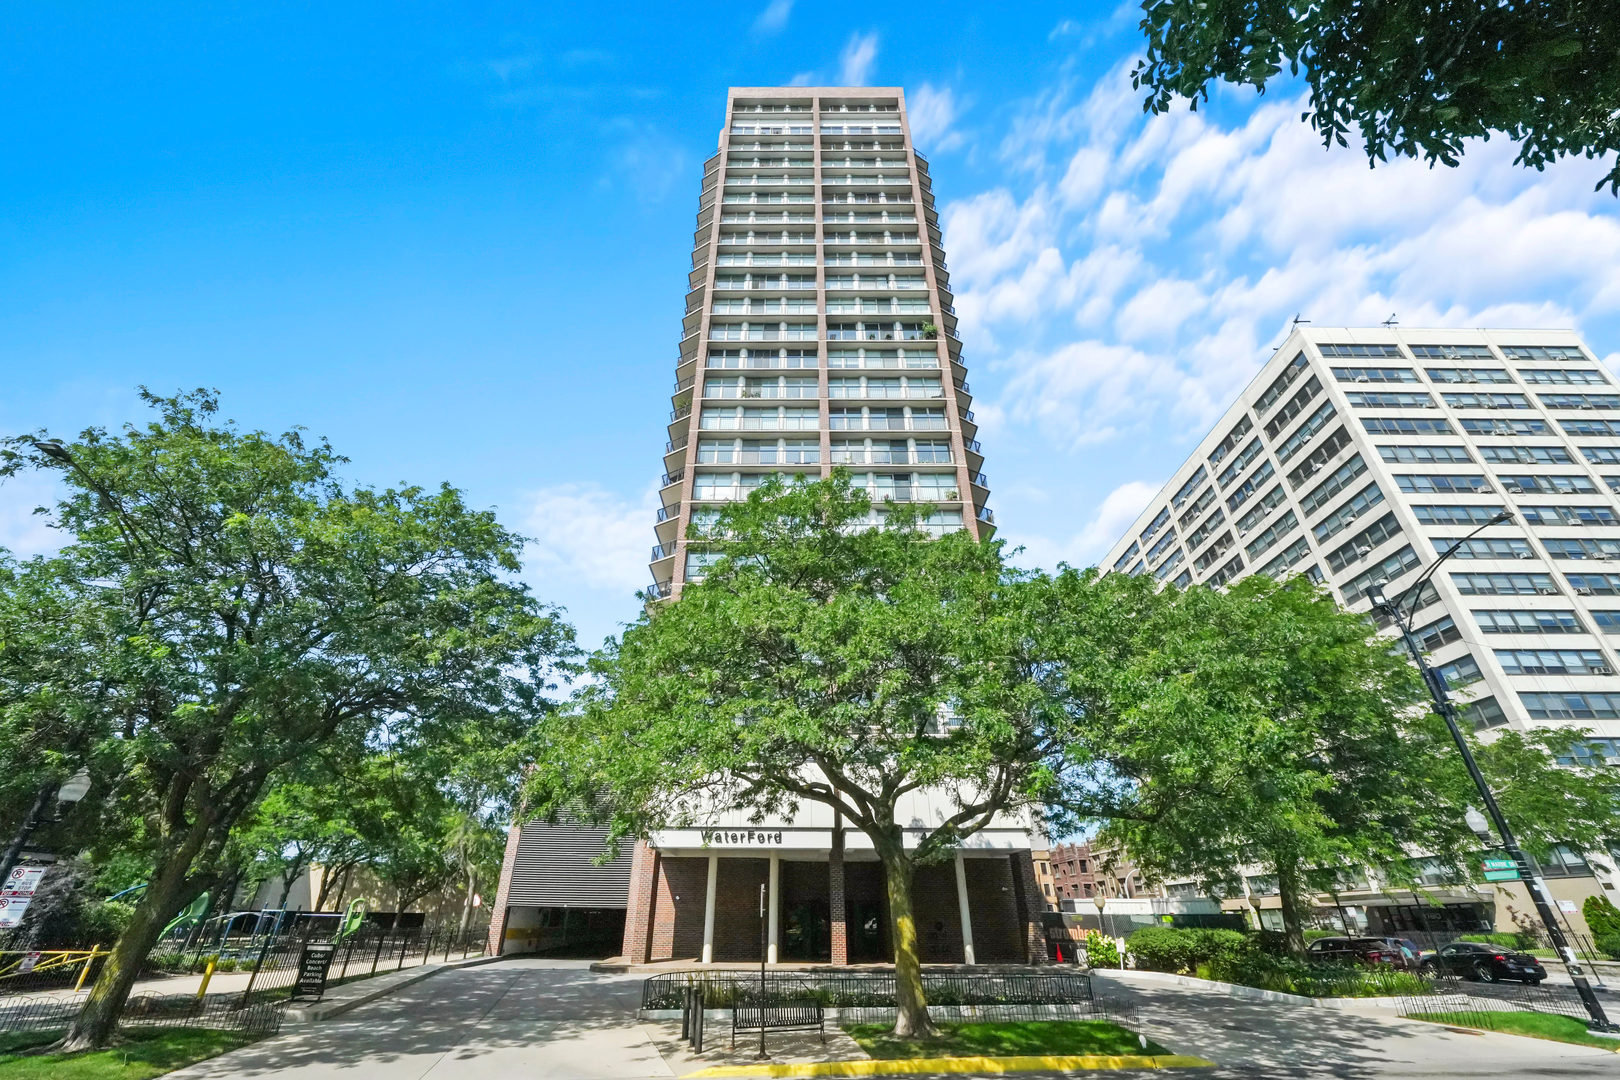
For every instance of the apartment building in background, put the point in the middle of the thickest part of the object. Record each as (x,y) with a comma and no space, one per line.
(818,333)
(1356,456)
(819,328)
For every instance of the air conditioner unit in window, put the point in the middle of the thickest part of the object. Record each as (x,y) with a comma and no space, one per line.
(1524,555)
(1583,591)
(1362,378)
(1363,552)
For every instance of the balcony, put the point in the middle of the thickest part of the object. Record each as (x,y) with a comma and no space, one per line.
(986,515)
(979,480)
(676,444)
(856,258)
(672,478)
(661,590)
(879,180)
(769,181)
(660,552)
(763,239)
(905,333)
(787,332)
(665,513)
(680,413)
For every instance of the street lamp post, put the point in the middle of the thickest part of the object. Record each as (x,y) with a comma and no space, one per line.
(75,789)
(1436,684)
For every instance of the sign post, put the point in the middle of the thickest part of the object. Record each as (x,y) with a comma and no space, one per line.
(17,892)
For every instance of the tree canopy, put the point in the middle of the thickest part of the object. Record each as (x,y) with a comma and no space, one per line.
(226,610)
(819,660)
(1414,79)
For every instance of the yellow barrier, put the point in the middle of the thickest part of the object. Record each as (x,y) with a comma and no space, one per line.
(95,951)
(14,965)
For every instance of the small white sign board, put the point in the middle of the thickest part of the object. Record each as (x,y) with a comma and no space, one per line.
(1567,907)
(17,893)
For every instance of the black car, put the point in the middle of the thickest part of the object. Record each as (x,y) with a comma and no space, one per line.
(1486,963)
(1365,950)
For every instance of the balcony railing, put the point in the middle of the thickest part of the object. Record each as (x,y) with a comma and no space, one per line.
(672,478)
(878,335)
(661,590)
(973,445)
(682,384)
(967,414)
(962,386)
(987,515)
(865,181)
(835,258)
(980,479)
(680,413)
(676,444)
(667,512)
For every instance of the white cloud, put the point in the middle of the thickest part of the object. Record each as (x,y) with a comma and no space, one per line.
(1151,262)
(774,17)
(931,111)
(584,535)
(1119,508)
(23,532)
(857,58)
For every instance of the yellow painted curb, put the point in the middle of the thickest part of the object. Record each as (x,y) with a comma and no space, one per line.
(895,1066)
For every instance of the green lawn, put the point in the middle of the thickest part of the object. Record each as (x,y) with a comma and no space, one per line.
(1536,1025)
(1034,1037)
(137,1056)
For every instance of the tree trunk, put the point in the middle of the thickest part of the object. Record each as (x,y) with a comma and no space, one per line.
(466,903)
(167,892)
(294,872)
(912,1020)
(1288,891)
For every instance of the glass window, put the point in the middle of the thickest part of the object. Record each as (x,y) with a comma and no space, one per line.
(1455,515)
(1390,401)
(1327,489)
(1254,483)
(1269,539)
(1426,455)
(1205,499)
(1226,446)
(1441,485)
(1469,375)
(1361,545)
(1486,401)
(1360,352)
(1481,547)
(1485,713)
(1460,672)
(1569,515)
(1266,504)
(1493,621)
(1498,425)
(1563,376)
(1306,432)
(1452,352)
(1326,450)
(1158,522)
(1292,555)
(1526,455)
(1186,490)
(1548,485)
(1602,455)
(1279,386)
(1505,584)
(1406,425)
(1595,584)
(1543,352)
(1443,631)
(1552,662)
(1239,463)
(1583,706)
(1583,548)
(1402,562)
(1601,428)
(1374,375)
(1293,407)
(1580,401)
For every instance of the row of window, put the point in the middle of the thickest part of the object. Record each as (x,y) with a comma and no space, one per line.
(1390,400)
(836,358)
(808,452)
(807,282)
(804,305)
(1533,376)
(1518,426)
(785,418)
(788,386)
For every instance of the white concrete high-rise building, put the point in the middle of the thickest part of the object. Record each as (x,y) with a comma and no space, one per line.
(1356,456)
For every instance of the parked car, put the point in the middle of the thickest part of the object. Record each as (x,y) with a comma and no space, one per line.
(1398,954)
(1486,963)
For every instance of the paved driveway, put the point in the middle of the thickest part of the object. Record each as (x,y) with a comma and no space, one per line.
(556,1020)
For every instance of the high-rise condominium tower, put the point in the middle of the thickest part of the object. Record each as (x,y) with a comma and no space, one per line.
(1357,456)
(819,330)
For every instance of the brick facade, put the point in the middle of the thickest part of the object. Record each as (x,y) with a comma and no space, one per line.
(638,910)
(831,908)
(1030,903)
(837,905)
(496,942)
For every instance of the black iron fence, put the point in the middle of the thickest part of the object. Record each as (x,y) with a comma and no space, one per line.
(874,990)
(1463,1003)
(272,967)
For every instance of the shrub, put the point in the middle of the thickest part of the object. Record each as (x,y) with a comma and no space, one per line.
(1101,950)
(1609,945)
(1162,948)
(1602,917)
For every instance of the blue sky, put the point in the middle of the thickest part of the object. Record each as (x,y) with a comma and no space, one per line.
(453,239)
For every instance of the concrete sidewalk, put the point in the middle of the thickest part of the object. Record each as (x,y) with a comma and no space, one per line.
(530,1019)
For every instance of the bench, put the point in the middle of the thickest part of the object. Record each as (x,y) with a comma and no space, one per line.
(800,1014)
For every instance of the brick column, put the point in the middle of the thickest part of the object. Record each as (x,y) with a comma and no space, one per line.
(496,942)
(838,909)
(1027,894)
(639,912)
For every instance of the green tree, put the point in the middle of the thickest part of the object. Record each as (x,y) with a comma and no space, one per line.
(237,611)
(1416,79)
(1264,725)
(820,660)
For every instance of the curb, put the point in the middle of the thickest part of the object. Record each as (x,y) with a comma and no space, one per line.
(899,1066)
(1247,993)
(369,990)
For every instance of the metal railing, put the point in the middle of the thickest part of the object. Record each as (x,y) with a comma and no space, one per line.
(1461,1003)
(723,989)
